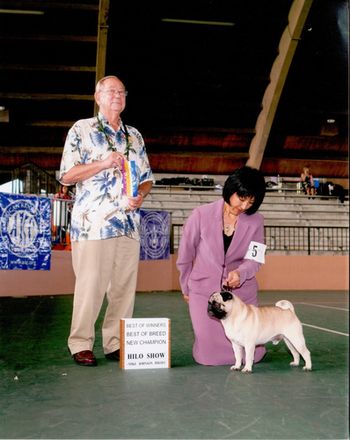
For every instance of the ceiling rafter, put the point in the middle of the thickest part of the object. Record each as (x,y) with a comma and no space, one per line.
(279,71)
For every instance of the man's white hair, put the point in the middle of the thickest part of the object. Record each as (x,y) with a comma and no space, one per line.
(100,82)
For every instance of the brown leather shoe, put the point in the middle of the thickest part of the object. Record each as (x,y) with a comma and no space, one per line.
(114,356)
(85,358)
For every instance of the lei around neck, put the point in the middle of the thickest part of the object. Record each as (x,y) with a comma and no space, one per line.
(110,138)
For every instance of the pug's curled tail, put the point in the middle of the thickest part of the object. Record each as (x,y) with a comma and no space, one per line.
(285,305)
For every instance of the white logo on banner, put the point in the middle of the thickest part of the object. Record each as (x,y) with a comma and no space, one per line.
(25,232)
(20,228)
(155,232)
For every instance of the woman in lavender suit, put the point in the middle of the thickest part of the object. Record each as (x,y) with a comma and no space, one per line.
(215,251)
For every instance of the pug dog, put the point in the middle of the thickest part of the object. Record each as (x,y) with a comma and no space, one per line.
(247,325)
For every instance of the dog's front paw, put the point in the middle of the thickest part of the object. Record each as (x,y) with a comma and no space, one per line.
(235,368)
(247,370)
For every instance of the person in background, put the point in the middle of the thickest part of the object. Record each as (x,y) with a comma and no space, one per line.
(222,246)
(61,216)
(307,182)
(63,193)
(107,161)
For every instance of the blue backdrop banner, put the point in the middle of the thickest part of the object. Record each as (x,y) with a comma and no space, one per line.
(25,232)
(155,235)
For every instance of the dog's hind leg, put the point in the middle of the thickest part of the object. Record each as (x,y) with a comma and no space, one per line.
(238,351)
(297,341)
(295,353)
(307,358)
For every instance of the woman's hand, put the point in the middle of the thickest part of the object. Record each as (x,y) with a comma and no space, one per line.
(233,279)
(186,298)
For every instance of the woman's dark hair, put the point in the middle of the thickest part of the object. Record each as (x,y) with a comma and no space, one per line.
(246,182)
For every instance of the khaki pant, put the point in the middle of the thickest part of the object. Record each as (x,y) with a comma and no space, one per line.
(102,267)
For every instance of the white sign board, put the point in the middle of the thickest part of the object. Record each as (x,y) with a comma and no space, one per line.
(145,343)
(256,252)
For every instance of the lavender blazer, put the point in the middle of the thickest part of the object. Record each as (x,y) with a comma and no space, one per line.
(203,268)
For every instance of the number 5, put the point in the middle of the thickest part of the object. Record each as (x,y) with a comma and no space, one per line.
(255,251)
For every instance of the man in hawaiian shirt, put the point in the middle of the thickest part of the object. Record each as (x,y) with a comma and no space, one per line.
(107,161)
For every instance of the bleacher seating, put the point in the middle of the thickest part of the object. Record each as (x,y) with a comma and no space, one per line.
(284,208)
(289,216)
(292,209)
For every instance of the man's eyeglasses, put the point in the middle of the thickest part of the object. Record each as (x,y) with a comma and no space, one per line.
(111,92)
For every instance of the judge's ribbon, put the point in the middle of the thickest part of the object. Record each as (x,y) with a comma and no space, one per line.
(130,186)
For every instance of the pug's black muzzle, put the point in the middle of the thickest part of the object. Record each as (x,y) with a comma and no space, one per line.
(215,308)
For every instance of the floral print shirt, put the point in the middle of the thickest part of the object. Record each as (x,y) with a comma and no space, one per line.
(100,208)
